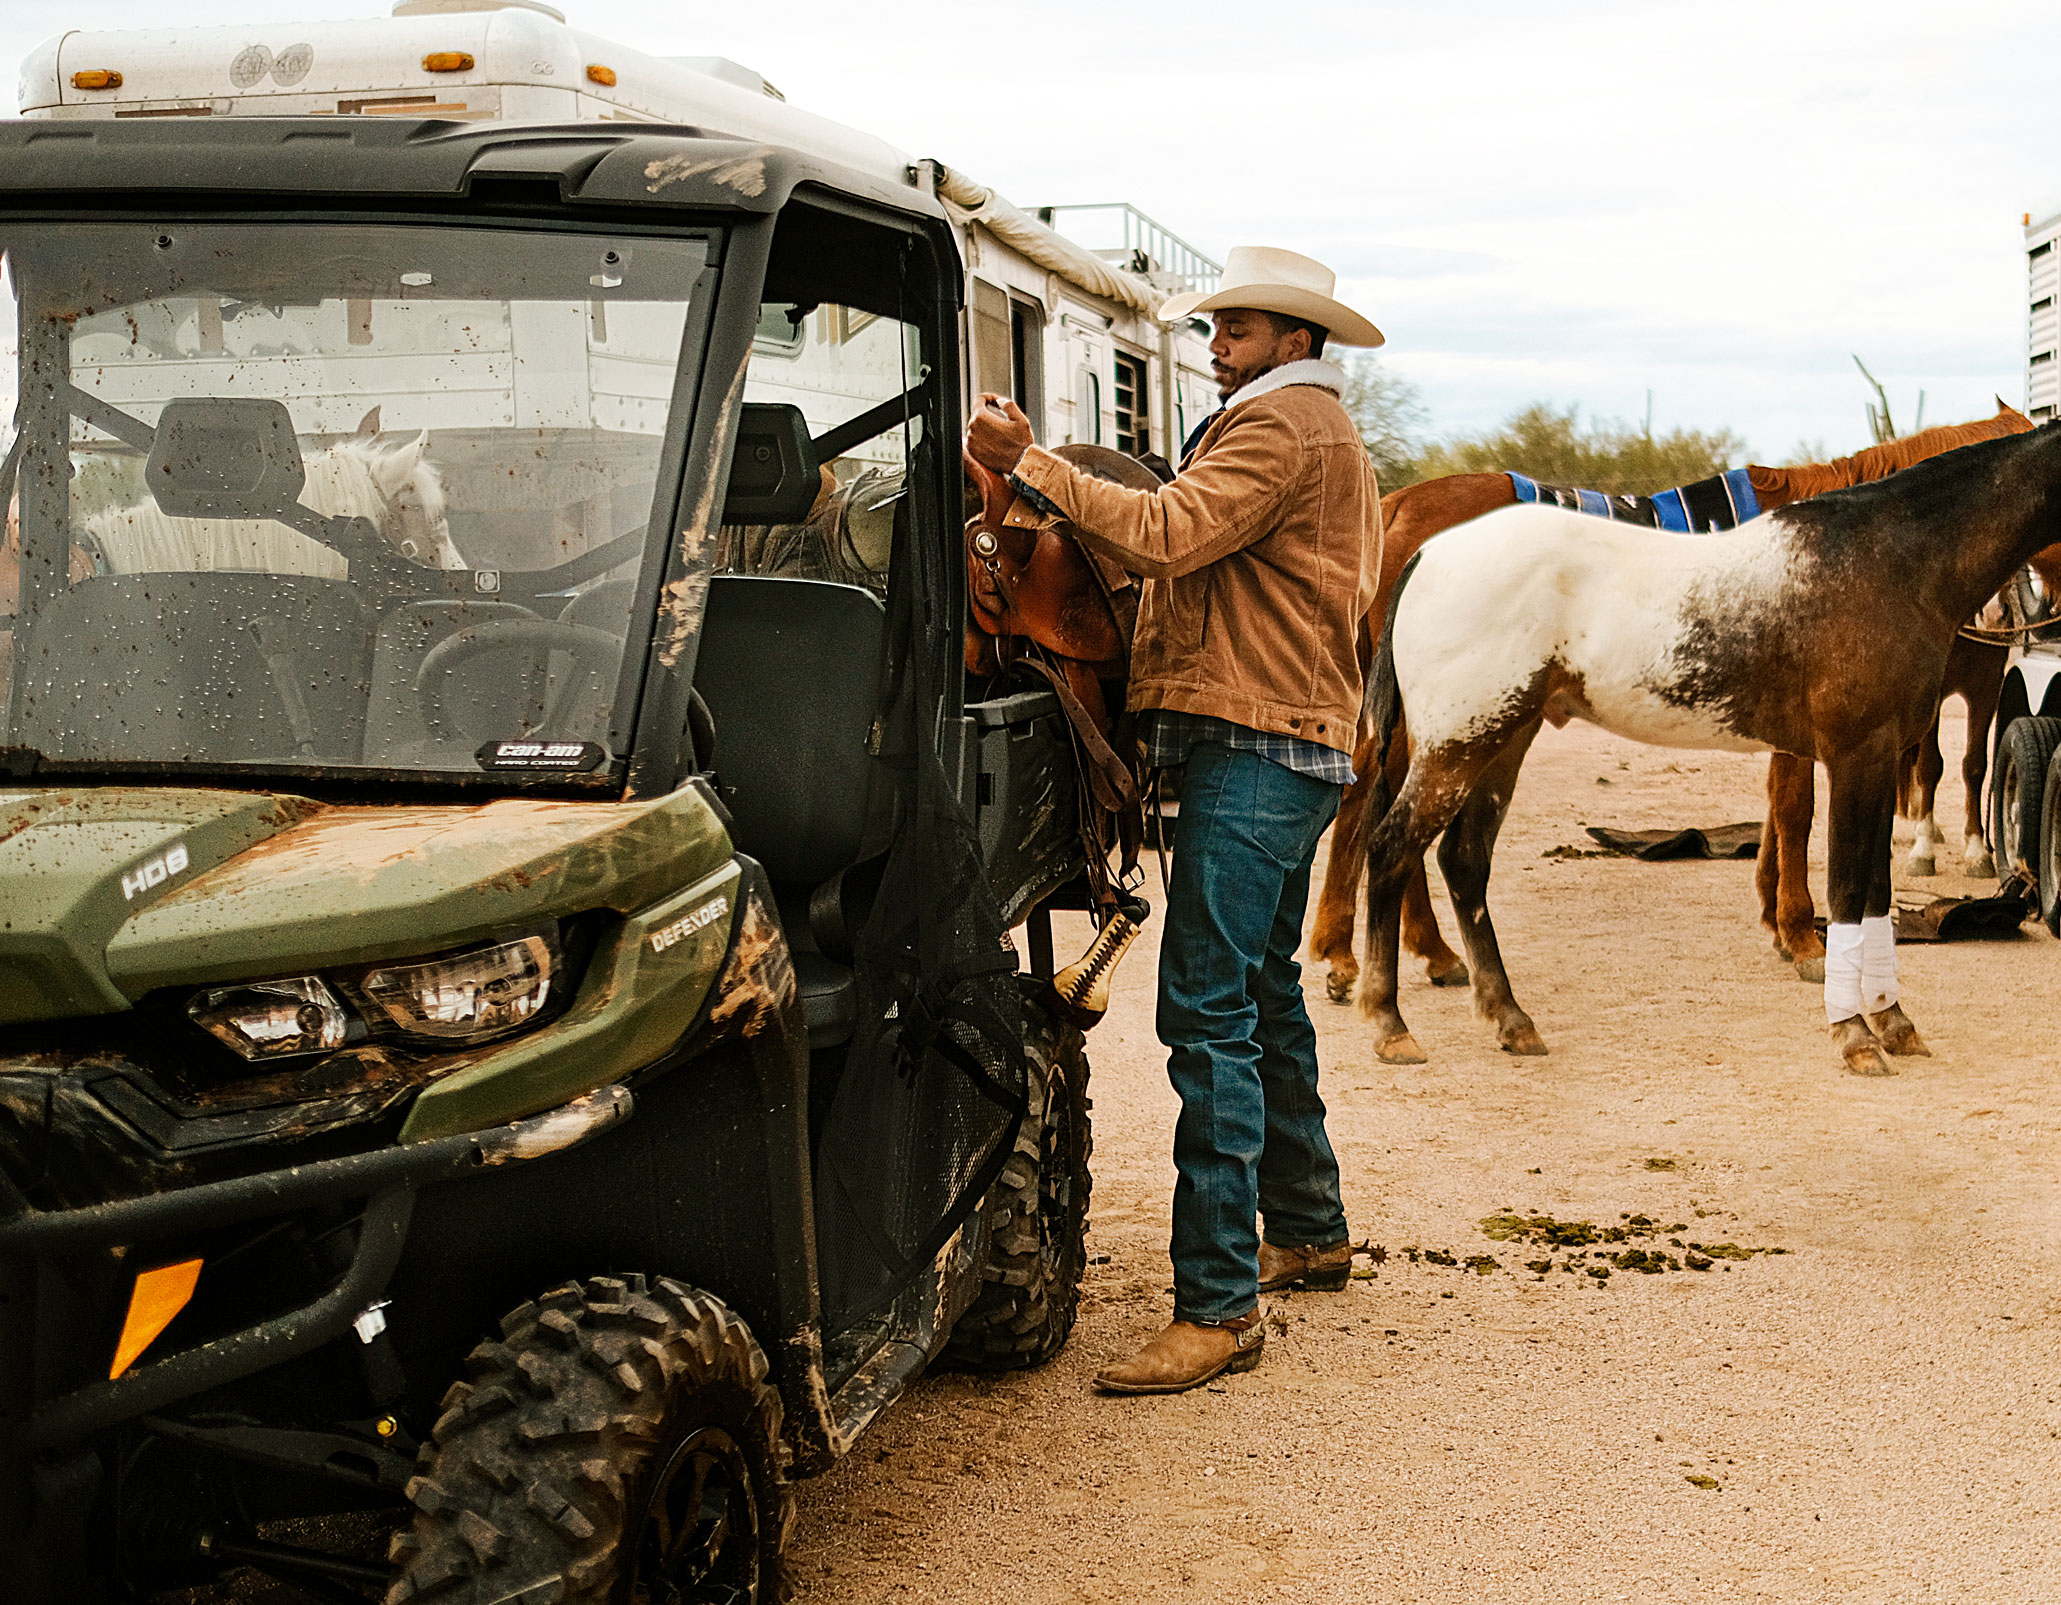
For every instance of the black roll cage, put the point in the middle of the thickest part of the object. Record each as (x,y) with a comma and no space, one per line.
(661,757)
(533,178)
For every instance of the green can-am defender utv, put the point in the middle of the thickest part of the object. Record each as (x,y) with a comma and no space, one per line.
(506,1022)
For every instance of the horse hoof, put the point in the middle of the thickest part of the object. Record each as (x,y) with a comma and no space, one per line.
(1524,1040)
(1915,865)
(1451,974)
(1811,970)
(1981,867)
(1893,1029)
(1399,1049)
(1339,988)
(1858,1048)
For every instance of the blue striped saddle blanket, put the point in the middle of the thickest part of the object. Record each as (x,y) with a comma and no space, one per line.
(1724,501)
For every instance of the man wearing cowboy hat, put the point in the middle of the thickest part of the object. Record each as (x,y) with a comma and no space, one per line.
(1259,564)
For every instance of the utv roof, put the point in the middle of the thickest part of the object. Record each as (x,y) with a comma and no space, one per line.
(268,160)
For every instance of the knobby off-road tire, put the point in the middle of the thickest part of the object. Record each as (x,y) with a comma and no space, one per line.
(619,1443)
(2047,861)
(2017,789)
(1037,1214)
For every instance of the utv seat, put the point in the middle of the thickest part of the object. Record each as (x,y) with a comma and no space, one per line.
(788,670)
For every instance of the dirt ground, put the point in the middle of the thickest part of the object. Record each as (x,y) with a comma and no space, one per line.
(1873,1415)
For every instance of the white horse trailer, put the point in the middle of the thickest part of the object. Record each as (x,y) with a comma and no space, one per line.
(1069,332)
(2025,782)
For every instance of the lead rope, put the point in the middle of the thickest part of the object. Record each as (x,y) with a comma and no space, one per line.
(2007,635)
(1157,814)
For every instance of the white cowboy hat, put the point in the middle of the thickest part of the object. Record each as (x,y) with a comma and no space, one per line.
(1268,279)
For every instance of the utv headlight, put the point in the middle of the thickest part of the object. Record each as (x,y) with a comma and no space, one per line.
(273,1019)
(469,996)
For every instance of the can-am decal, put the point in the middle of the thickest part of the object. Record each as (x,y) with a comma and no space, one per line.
(573,756)
(153,872)
(687,924)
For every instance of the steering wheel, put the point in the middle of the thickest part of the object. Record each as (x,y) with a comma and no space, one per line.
(597,649)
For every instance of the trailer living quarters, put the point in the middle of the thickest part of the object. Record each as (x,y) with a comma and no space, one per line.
(1068,331)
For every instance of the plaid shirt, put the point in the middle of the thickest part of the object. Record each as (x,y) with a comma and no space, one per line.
(1168,735)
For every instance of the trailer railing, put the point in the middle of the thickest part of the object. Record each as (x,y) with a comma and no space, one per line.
(1118,232)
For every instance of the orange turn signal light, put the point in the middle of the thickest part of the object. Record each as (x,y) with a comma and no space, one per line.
(159,1295)
(97,78)
(448,61)
(598,74)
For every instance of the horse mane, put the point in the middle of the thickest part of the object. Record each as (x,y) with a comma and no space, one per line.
(1776,487)
(1928,501)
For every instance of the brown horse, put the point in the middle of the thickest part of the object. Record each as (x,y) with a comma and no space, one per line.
(1821,630)
(1974,672)
(1415,513)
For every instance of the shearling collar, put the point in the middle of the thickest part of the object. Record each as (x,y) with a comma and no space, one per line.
(1314,371)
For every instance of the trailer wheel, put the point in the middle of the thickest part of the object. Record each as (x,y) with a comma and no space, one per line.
(620,1443)
(1038,1220)
(2049,865)
(2017,792)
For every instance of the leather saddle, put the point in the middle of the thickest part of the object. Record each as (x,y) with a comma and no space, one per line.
(1042,602)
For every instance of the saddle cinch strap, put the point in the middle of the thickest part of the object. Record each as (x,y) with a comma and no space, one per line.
(1042,603)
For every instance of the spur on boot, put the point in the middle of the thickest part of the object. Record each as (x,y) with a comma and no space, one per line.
(1317,1270)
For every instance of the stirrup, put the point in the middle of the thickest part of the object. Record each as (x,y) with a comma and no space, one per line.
(1079,994)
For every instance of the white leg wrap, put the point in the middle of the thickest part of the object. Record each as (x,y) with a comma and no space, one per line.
(1842,972)
(1878,964)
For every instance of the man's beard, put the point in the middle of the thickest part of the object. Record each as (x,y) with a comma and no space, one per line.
(1229,384)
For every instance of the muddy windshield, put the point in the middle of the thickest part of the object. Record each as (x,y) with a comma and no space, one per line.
(350,497)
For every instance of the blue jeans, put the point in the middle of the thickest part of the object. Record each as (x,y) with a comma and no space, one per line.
(1242,1053)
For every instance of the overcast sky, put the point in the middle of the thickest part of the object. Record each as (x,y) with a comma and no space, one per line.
(1572,201)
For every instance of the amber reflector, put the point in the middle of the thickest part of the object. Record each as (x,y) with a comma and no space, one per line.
(448,61)
(604,76)
(97,78)
(159,1295)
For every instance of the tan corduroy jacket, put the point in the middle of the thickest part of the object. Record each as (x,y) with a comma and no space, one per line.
(1259,562)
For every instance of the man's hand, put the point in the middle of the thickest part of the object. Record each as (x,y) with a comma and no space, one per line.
(998,434)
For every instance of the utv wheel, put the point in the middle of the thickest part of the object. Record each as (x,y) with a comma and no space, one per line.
(2020,785)
(620,1443)
(1038,1214)
(2048,878)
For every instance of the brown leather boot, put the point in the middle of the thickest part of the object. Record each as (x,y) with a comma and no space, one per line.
(1188,1354)
(1316,1270)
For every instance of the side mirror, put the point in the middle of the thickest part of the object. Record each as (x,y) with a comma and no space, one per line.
(774,477)
(224,457)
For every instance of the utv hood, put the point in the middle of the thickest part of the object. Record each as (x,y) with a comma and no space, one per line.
(107,894)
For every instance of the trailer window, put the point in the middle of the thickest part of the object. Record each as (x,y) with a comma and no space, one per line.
(1133,406)
(1027,357)
(993,340)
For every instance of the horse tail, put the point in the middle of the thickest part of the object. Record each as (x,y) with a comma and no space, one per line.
(1382,712)
(1382,716)
(1910,778)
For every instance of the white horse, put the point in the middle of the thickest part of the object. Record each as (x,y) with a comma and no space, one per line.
(396,487)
